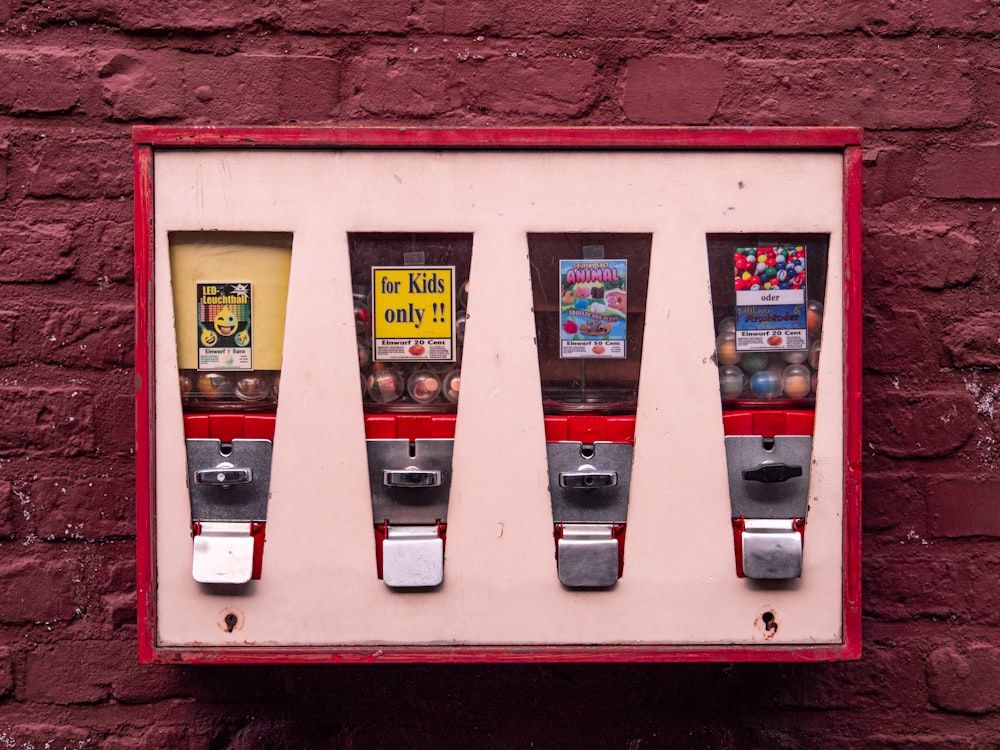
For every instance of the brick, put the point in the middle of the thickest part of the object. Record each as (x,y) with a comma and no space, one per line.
(510,18)
(8,331)
(965,678)
(193,15)
(50,737)
(35,252)
(411,88)
(891,351)
(94,335)
(4,158)
(8,502)
(559,87)
(673,90)
(914,577)
(925,260)
(6,672)
(884,94)
(882,679)
(342,17)
(78,166)
(115,422)
(121,575)
(915,424)
(890,500)
(973,341)
(732,18)
(426,83)
(121,609)
(963,173)
(39,81)
(73,671)
(102,243)
(968,16)
(960,507)
(136,90)
(161,737)
(49,421)
(890,175)
(244,88)
(90,509)
(36,589)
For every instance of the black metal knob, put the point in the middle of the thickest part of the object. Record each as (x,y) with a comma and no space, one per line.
(769,473)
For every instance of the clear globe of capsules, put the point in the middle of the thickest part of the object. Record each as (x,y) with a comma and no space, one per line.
(725,348)
(423,386)
(796,380)
(731,381)
(766,384)
(384,384)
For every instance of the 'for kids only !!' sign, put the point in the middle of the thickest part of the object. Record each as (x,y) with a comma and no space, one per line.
(413,310)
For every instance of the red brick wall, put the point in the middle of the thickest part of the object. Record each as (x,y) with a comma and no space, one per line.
(923,78)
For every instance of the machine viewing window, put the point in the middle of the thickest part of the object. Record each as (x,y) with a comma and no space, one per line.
(767,301)
(229,291)
(410,294)
(589,296)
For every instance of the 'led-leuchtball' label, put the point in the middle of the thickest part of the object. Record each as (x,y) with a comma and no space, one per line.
(225,337)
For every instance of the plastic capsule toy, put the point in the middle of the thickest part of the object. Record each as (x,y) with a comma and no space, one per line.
(452,385)
(423,386)
(796,381)
(384,384)
(725,349)
(215,385)
(731,381)
(253,387)
(754,361)
(766,384)
(814,317)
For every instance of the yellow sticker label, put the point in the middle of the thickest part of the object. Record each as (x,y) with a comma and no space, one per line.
(413,313)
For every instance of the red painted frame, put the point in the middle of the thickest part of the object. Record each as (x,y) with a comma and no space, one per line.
(146,140)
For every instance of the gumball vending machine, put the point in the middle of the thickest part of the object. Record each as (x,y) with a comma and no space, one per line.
(410,293)
(768,294)
(639,396)
(589,295)
(229,292)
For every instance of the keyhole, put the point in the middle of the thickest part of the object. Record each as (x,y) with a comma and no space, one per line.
(770,625)
(231,621)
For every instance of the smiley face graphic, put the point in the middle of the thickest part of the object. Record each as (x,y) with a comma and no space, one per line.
(225,322)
